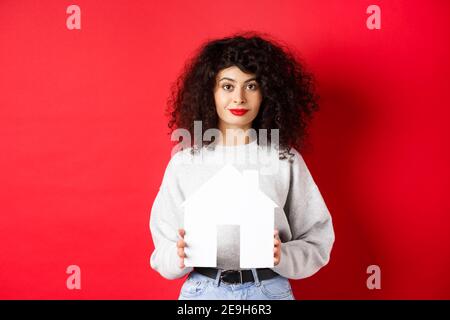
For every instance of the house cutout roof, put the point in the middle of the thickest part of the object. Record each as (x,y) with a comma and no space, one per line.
(228,183)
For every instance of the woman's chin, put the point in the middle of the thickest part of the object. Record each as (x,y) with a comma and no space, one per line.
(238,123)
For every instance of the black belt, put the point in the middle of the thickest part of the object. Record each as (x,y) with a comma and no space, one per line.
(237,276)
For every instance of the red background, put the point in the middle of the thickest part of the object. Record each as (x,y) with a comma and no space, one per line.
(84,141)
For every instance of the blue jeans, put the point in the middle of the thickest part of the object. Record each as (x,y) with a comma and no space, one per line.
(200,287)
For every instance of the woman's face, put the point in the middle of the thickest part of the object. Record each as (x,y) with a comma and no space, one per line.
(238,97)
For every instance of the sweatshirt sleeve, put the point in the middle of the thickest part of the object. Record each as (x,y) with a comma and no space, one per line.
(311,226)
(165,220)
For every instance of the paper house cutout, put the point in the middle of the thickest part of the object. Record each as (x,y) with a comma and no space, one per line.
(229,198)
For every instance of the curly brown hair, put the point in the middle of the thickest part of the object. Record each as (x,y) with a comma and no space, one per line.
(288,90)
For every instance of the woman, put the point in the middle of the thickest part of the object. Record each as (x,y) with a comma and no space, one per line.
(241,86)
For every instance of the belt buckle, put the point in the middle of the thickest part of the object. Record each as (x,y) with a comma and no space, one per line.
(224,273)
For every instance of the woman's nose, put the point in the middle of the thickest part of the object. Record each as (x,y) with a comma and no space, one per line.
(238,97)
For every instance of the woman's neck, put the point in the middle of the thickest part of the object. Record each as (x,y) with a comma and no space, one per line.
(234,135)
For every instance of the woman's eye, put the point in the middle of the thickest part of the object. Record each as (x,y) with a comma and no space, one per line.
(251,86)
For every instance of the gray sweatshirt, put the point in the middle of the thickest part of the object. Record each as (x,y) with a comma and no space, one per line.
(302,217)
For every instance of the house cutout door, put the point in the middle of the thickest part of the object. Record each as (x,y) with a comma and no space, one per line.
(228,246)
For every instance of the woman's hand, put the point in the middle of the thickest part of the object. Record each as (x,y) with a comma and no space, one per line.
(277,248)
(180,248)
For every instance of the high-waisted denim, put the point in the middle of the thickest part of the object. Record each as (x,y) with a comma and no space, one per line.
(200,287)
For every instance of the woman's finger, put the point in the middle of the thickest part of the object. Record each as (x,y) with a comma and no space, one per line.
(276,256)
(277,242)
(181,244)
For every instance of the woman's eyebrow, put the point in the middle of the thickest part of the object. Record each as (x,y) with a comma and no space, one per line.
(248,80)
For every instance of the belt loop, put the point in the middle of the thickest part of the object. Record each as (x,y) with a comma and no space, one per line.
(255,277)
(217,281)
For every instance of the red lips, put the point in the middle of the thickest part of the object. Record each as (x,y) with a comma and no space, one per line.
(238,112)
